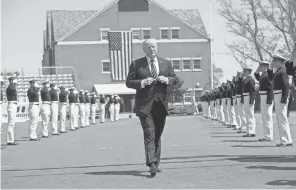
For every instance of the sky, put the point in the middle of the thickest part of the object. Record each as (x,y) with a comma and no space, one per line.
(23,22)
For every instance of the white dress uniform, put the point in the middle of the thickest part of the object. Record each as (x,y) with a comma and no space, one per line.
(87,108)
(82,108)
(240,106)
(54,109)
(93,107)
(281,93)
(77,110)
(72,106)
(33,109)
(45,109)
(11,94)
(266,103)
(249,104)
(63,109)
(116,108)
(103,108)
(111,109)
(1,100)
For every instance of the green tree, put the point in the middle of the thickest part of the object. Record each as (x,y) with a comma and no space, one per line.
(176,92)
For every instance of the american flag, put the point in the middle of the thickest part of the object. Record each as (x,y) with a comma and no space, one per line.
(120,51)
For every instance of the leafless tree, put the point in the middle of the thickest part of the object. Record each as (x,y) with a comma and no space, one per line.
(254,40)
(282,15)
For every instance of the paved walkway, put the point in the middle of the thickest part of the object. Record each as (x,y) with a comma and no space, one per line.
(197,153)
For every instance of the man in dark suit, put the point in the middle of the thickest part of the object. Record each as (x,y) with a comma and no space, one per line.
(150,76)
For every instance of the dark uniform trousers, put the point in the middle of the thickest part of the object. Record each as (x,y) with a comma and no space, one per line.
(153,125)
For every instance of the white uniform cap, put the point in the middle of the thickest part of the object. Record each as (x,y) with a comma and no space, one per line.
(278,56)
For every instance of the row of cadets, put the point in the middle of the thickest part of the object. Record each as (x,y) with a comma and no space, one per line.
(1,100)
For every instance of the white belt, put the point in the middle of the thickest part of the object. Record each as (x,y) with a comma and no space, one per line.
(63,103)
(262,92)
(46,102)
(54,102)
(33,103)
(238,96)
(227,98)
(277,91)
(12,102)
(246,94)
(233,96)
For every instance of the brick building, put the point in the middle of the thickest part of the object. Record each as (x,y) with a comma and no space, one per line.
(79,39)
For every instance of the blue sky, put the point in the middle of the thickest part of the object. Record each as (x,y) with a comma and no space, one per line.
(23,21)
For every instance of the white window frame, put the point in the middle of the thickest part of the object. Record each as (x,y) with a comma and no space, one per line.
(187,96)
(105,61)
(104,30)
(180,64)
(140,33)
(164,28)
(175,28)
(143,33)
(196,58)
(190,63)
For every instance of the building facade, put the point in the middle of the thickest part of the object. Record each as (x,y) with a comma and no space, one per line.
(80,39)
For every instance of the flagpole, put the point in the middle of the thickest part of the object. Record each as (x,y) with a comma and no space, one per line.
(211,47)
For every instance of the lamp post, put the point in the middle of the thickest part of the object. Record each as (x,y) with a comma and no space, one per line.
(211,48)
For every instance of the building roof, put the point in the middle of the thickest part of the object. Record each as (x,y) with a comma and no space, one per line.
(64,20)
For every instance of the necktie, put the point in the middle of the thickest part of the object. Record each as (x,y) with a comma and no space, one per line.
(154,75)
(153,69)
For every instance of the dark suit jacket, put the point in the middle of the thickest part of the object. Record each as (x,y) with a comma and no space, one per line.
(145,97)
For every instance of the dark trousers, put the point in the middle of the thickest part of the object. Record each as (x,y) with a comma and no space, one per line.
(153,126)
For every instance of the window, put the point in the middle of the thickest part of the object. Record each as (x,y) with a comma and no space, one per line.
(196,64)
(164,33)
(136,33)
(175,33)
(197,94)
(146,33)
(186,64)
(176,64)
(104,33)
(187,96)
(106,68)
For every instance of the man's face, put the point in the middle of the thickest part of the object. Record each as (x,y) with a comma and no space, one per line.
(246,73)
(276,62)
(150,48)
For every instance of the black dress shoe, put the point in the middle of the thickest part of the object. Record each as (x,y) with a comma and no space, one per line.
(263,140)
(73,129)
(56,133)
(153,169)
(63,132)
(46,136)
(35,139)
(284,145)
(12,143)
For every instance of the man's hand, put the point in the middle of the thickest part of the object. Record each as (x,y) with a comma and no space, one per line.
(163,79)
(148,81)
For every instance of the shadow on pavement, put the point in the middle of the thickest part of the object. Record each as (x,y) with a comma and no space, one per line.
(239,141)
(263,159)
(226,136)
(259,146)
(131,173)
(271,168)
(221,133)
(282,182)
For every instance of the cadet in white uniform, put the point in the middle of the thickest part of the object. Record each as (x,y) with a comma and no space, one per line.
(54,109)
(278,74)
(63,108)
(11,94)
(87,108)
(266,103)
(93,103)
(45,108)
(33,109)
(116,107)
(82,108)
